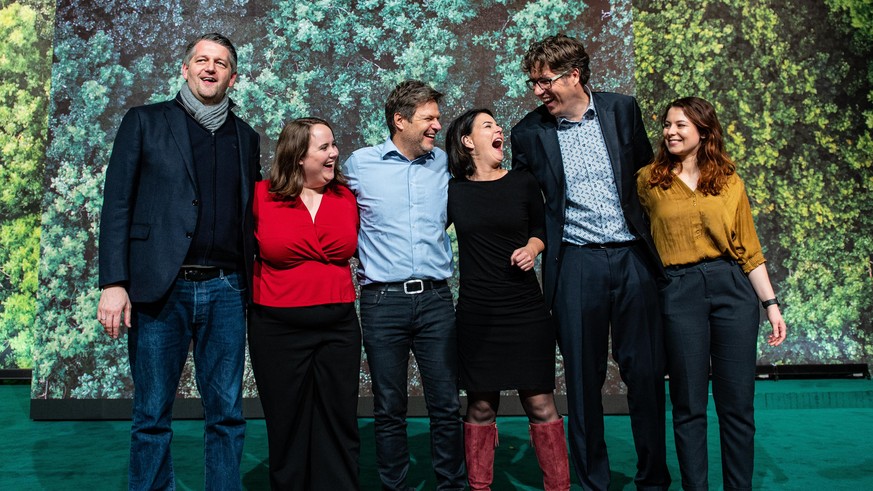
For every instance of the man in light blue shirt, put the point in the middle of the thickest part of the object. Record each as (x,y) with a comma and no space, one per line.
(406,304)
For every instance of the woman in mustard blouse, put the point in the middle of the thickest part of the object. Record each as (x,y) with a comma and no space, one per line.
(704,233)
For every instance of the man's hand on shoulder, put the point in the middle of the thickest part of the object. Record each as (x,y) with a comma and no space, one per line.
(113,311)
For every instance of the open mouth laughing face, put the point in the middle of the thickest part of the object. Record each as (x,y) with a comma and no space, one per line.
(208,72)
(321,157)
(418,136)
(485,141)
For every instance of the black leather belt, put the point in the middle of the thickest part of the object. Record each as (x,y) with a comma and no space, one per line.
(410,287)
(605,245)
(199,274)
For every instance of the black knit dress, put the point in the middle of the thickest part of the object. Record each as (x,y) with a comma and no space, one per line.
(506,338)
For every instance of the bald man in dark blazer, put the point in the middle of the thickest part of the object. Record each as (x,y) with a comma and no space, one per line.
(600,265)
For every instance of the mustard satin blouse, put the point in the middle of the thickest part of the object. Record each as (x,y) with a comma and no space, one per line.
(689,227)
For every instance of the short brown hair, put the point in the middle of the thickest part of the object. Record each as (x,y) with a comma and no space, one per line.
(405,98)
(560,53)
(215,38)
(286,173)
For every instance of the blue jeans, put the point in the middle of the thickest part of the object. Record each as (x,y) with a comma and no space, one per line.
(210,313)
(392,324)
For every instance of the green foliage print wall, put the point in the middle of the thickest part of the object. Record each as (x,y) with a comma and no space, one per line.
(25,64)
(108,57)
(793,85)
(336,59)
(340,59)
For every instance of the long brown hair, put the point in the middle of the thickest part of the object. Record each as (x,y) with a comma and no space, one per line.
(714,164)
(286,174)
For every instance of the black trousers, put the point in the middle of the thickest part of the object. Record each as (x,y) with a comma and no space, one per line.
(599,289)
(712,315)
(306,362)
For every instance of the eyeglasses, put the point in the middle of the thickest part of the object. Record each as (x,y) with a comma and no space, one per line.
(544,83)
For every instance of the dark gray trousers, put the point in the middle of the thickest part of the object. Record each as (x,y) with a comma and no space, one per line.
(601,290)
(711,319)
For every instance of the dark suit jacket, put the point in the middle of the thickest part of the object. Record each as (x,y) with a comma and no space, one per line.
(150,199)
(535,148)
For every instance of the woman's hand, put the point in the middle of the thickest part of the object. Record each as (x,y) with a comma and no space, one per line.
(523,257)
(761,284)
(776,337)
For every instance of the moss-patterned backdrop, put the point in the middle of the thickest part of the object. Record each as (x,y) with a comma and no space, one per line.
(791,82)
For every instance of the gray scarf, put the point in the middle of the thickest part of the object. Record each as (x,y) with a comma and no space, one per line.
(210,117)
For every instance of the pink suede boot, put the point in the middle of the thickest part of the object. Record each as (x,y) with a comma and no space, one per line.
(550,446)
(479,443)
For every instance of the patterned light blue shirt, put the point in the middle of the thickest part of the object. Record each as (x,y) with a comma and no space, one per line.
(593,213)
(403,214)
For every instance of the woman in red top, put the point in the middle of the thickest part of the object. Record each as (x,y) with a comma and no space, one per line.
(304,336)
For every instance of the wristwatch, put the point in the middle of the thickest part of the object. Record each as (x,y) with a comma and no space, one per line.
(772,301)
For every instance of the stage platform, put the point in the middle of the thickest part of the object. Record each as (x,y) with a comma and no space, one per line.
(812,434)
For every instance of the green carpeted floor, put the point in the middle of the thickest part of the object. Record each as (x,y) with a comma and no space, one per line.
(812,435)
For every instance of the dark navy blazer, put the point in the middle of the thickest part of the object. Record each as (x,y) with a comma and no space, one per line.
(150,200)
(535,148)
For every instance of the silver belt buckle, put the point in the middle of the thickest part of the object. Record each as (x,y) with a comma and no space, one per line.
(419,283)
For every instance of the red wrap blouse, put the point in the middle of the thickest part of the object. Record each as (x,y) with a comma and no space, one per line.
(302,262)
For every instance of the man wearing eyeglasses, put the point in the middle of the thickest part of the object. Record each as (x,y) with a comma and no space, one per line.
(600,265)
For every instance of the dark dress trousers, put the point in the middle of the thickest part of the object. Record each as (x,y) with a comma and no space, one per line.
(150,200)
(593,291)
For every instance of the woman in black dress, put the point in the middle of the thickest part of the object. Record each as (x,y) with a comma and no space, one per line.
(506,338)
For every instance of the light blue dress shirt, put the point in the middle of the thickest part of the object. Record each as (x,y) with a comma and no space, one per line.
(593,213)
(403,214)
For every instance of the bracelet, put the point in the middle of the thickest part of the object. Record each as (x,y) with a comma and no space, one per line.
(772,301)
